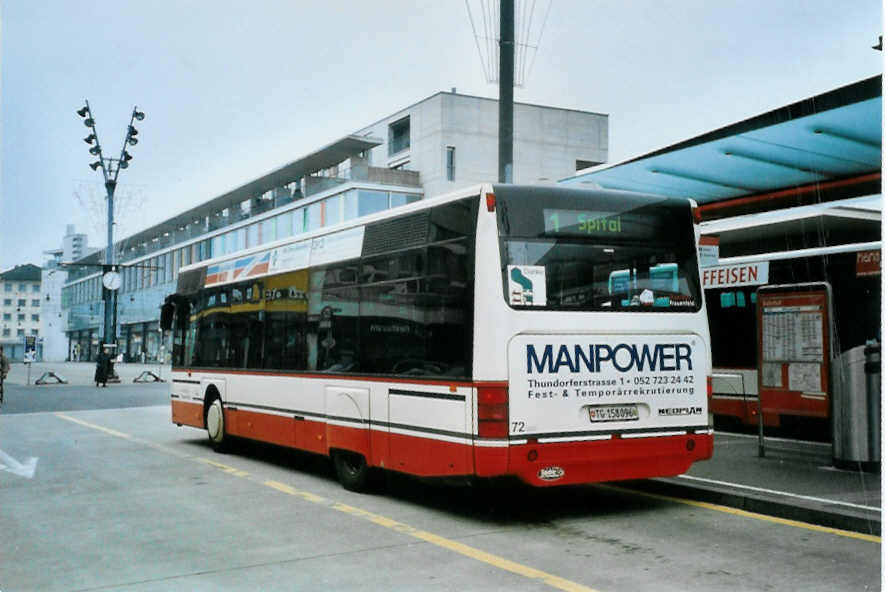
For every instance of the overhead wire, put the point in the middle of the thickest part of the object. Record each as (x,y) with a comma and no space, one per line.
(476,39)
(540,34)
(489,48)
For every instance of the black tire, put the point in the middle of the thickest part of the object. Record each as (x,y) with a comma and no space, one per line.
(215,428)
(353,471)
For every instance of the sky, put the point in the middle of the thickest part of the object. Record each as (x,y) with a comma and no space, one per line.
(232,90)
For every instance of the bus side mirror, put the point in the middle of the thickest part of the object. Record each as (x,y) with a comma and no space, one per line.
(167,311)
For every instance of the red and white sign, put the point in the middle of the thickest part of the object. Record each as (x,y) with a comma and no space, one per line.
(742,274)
(708,251)
(869,263)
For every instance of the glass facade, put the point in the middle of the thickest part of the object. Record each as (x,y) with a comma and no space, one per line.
(147,281)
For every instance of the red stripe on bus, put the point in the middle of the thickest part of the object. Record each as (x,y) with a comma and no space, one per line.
(609,460)
(275,429)
(187,413)
(535,463)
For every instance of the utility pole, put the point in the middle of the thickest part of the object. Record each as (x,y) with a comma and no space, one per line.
(505,94)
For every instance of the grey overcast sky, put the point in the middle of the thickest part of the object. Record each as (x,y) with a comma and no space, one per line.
(234,89)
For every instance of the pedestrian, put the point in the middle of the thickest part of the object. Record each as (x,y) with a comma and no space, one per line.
(4,364)
(4,370)
(102,367)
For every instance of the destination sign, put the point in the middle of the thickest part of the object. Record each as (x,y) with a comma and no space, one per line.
(582,222)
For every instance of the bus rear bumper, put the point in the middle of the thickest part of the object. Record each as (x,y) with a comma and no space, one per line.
(618,459)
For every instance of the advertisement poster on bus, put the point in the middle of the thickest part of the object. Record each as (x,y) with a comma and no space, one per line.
(589,383)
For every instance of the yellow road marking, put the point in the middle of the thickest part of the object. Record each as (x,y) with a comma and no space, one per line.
(466,550)
(439,541)
(95,427)
(297,492)
(746,514)
(223,467)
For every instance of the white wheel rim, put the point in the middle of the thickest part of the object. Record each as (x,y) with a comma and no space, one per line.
(215,421)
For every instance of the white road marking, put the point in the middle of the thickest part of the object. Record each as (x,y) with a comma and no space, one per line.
(10,465)
(781,493)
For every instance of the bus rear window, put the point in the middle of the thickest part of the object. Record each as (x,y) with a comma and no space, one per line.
(600,251)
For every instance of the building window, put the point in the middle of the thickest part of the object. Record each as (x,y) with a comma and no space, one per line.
(268,230)
(313,216)
(5,332)
(21,318)
(284,225)
(35,288)
(7,316)
(7,302)
(398,136)
(332,214)
(401,199)
(22,302)
(450,163)
(20,332)
(35,302)
(8,287)
(22,287)
(35,318)
(371,202)
(35,332)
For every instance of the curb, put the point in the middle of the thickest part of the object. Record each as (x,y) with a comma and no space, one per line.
(861,522)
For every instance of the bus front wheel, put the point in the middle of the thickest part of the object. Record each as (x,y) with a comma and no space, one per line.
(215,426)
(352,469)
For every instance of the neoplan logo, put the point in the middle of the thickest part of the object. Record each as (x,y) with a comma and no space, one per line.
(671,411)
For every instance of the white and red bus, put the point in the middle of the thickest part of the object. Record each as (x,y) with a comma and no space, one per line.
(552,334)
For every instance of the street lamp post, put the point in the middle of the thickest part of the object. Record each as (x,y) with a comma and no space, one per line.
(110,168)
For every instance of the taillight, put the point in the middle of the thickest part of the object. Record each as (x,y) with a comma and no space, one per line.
(490,202)
(492,411)
(696,214)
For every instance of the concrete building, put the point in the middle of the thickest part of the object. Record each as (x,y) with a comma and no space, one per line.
(442,143)
(74,246)
(452,139)
(19,309)
(53,318)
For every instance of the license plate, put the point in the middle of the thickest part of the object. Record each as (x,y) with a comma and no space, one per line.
(614,413)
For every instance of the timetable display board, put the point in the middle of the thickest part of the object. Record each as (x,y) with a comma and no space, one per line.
(794,348)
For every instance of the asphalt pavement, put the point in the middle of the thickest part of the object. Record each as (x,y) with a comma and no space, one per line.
(793,480)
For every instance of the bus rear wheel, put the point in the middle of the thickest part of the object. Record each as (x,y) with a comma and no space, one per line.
(215,426)
(352,469)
